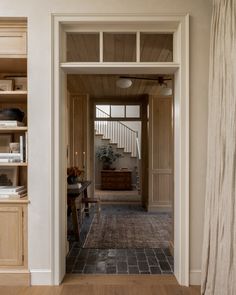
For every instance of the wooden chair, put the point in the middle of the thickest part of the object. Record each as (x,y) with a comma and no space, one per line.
(88,201)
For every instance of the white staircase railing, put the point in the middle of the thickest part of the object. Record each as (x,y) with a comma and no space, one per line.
(118,133)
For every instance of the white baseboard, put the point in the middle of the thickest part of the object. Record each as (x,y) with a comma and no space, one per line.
(41,277)
(195,277)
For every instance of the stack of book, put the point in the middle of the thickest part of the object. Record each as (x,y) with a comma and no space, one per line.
(10,157)
(12,192)
(21,156)
(10,124)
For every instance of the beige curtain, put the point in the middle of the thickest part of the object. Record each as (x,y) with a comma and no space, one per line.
(219,247)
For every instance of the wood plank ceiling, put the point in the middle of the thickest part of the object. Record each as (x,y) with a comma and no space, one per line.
(118,47)
(104,86)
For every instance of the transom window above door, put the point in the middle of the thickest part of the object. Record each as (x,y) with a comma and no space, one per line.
(117,111)
(115,47)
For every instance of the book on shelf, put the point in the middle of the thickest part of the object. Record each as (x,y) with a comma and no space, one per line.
(9,157)
(21,148)
(10,124)
(12,192)
(12,189)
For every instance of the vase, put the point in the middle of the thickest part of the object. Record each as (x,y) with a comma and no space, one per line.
(71,179)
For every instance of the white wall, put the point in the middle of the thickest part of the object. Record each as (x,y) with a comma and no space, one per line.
(40,117)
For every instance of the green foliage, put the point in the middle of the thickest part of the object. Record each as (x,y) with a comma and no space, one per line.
(106,154)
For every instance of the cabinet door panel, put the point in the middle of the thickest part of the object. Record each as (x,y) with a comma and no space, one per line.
(11,236)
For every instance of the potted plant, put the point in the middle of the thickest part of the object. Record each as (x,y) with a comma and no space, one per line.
(107,156)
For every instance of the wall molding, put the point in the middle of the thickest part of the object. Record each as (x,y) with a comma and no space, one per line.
(41,277)
(15,278)
(195,277)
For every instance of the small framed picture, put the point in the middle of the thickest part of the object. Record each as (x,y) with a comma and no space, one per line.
(6,85)
(5,140)
(9,176)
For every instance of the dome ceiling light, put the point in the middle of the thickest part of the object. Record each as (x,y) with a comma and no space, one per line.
(123,82)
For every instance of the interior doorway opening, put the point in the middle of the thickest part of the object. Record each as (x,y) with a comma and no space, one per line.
(122,230)
(117,148)
(179,66)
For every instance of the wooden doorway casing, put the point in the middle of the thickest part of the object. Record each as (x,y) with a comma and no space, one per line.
(180,68)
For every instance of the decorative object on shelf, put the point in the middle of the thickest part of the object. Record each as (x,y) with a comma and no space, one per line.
(107,156)
(5,140)
(14,147)
(9,176)
(6,85)
(20,83)
(73,175)
(11,114)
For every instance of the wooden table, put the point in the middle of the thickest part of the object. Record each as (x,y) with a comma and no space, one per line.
(79,195)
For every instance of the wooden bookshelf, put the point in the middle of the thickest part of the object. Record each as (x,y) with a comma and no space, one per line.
(15,164)
(13,96)
(13,129)
(14,200)
(13,211)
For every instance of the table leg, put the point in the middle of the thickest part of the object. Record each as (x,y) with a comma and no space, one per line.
(86,204)
(75,220)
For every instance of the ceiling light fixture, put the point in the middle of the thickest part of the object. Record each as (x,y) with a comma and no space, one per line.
(123,83)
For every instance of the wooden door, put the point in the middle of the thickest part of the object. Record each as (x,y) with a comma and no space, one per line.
(11,235)
(160,153)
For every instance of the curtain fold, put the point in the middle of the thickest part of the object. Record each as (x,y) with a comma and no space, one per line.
(219,245)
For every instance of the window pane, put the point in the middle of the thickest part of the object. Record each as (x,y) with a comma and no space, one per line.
(82,47)
(102,111)
(117,111)
(156,47)
(133,111)
(118,47)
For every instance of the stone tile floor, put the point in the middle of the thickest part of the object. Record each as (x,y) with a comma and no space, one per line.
(119,261)
(115,261)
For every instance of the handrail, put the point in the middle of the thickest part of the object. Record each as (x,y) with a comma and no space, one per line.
(117,132)
(114,118)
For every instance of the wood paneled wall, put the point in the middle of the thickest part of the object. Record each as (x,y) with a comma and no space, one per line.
(160,153)
(78,125)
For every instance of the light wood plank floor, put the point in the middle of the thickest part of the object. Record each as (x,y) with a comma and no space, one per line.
(108,285)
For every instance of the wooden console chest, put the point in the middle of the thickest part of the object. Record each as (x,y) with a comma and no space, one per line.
(116,180)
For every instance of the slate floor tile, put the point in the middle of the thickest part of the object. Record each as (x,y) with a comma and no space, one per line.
(155,270)
(89,269)
(122,266)
(141,257)
(120,261)
(143,266)
(132,260)
(165,266)
(133,270)
(111,270)
(145,272)
(161,257)
(101,267)
(152,260)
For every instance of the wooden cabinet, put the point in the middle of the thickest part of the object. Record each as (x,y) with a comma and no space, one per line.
(13,39)
(116,180)
(13,234)
(13,210)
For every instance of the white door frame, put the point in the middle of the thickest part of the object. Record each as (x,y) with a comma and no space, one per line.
(180,68)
